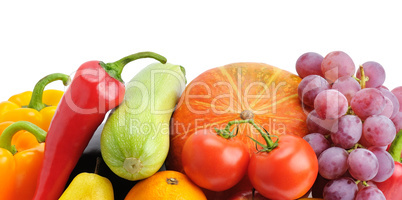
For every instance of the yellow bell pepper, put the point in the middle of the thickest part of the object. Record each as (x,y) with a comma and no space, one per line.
(37,106)
(19,169)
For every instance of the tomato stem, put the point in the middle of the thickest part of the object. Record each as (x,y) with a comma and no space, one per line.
(269,146)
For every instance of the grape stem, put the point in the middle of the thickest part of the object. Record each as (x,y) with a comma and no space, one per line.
(357,145)
(363,182)
(350,111)
(363,77)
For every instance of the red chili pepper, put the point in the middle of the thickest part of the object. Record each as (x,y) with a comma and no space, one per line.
(95,89)
(392,187)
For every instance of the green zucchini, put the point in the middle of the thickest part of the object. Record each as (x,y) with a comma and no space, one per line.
(135,138)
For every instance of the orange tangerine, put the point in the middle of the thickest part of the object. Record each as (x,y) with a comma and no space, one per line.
(166,185)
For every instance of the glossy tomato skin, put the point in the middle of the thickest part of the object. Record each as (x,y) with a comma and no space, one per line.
(213,162)
(393,185)
(287,172)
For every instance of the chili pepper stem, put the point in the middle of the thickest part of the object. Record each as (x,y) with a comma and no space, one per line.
(396,147)
(116,68)
(37,93)
(8,133)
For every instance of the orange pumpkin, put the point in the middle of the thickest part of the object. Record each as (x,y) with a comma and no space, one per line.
(233,92)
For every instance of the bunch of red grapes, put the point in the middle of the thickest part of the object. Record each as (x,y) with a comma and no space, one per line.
(352,119)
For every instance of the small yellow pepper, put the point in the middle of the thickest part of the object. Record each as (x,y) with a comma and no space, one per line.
(19,169)
(37,106)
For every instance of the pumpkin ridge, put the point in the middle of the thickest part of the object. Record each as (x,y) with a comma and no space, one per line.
(279,117)
(205,104)
(238,97)
(267,83)
(223,120)
(284,99)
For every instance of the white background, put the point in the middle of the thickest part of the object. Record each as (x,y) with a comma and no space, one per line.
(42,37)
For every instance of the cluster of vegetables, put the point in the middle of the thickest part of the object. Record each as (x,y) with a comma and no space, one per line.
(225,100)
(24,120)
(234,132)
(95,89)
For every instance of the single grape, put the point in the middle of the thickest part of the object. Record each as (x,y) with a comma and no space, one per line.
(397,121)
(318,142)
(393,98)
(398,94)
(347,131)
(386,164)
(388,108)
(332,163)
(367,102)
(307,109)
(348,86)
(309,64)
(385,148)
(343,188)
(375,73)
(370,193)
(330,104)
(337,64)
(363,164)
(379,130)
(317,125)
(309,88)
(363,141)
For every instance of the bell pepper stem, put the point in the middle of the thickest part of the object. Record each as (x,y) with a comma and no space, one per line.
(37,93)
(396,147)
(116,68)
(10,131)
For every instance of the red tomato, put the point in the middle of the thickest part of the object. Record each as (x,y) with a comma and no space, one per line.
(393,185)
(287,172)
(213,162)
